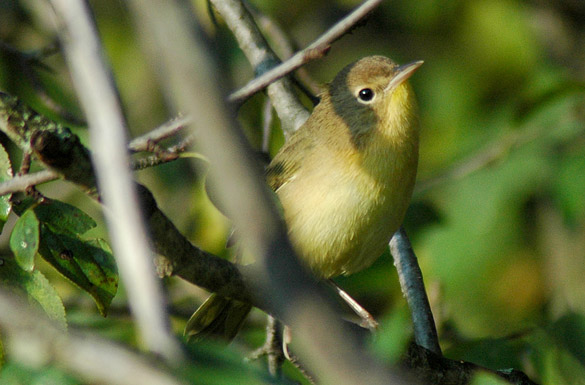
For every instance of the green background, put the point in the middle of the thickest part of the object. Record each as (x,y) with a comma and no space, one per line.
(498,216)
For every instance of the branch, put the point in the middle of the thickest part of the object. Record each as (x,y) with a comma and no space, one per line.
(285,48)
(99,98)
(23,182)
(168,129)
(290,111)
(315,50)
(413,288)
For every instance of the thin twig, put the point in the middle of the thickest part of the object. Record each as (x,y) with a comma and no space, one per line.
(272,347)
(284,48)
(251,41)
(23,182)
(314,51)
(163,131)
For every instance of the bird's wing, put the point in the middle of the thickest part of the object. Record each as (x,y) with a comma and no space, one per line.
(287,162)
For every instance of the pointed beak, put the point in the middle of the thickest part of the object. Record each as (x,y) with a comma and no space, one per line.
(402,74)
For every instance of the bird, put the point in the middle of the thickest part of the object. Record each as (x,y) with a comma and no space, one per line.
(344,180)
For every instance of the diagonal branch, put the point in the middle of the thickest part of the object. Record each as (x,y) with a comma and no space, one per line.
(290,111)
(315,50)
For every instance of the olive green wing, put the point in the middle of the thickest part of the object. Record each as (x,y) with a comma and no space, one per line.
(288,161)
(218,317)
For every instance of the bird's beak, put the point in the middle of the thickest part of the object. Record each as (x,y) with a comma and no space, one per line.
(402,74)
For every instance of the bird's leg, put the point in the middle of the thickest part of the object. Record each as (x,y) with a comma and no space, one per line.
(367,320)
(272,348)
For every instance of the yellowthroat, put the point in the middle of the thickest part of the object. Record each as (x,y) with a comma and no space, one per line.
(344,179)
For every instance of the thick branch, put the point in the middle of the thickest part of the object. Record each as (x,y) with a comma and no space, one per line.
(413,288)
(99,98)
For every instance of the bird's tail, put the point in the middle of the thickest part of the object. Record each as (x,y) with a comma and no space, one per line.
(218,317)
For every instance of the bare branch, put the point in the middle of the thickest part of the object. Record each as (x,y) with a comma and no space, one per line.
(290,111)
(23,182)
(99,99)
(164,131)
(314,51)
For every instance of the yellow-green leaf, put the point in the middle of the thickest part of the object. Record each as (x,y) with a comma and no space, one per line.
(36,286)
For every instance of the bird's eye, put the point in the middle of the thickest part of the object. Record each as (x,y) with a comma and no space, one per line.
(366,95)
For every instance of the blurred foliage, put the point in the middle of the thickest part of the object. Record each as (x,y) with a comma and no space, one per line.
(502,247)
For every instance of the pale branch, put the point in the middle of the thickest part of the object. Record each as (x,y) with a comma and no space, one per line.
(99,98)
(166,130)
(23,182)
(290,111)
(283,46)
(267,117)
(93,359)
(315,50)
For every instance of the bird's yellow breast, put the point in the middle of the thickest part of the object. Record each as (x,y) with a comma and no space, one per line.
(344,200)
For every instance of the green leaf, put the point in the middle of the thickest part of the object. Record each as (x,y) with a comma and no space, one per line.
(569,333)
(24,240)
(5,174)
(20,373)
(36,286)
(483,378)
(63,218)
(552,358)
(88,264)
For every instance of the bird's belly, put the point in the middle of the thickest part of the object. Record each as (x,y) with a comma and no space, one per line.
(342,228)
